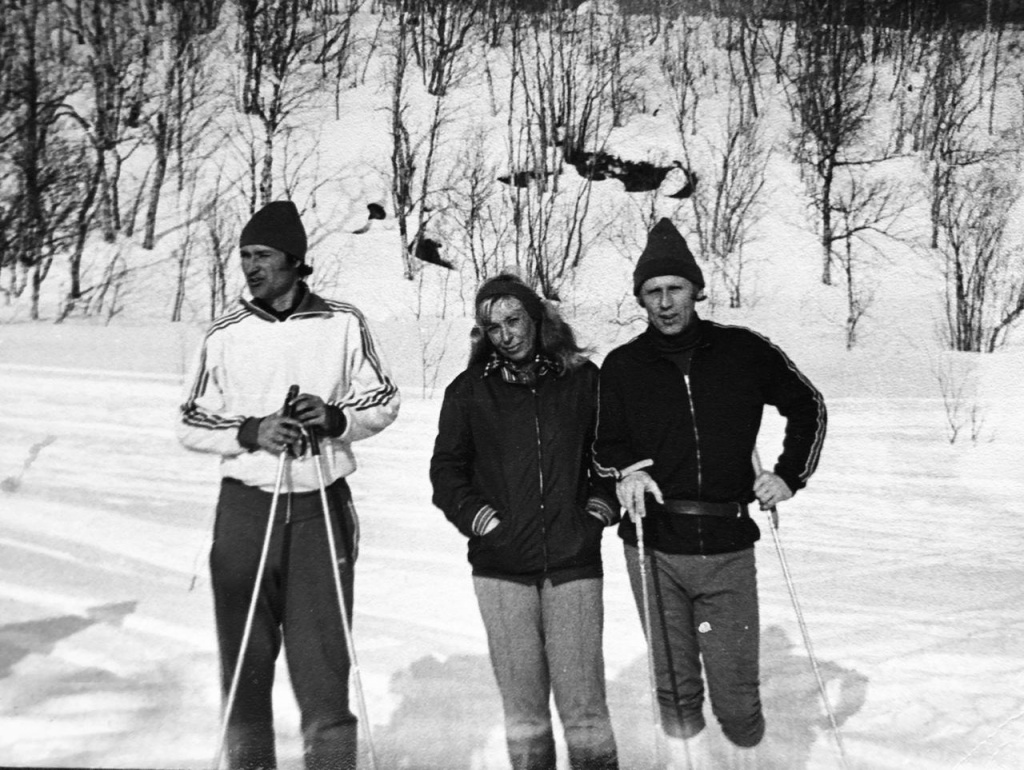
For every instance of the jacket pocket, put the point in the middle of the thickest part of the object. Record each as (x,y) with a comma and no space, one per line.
(497,551)
(576,541)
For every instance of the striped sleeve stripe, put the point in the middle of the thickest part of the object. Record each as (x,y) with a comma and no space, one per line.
(199,385)
(600,508)
(194,415)
(819,437)
(483,518)
(377,396)
(602,470)
(819,432)
(618,475)
(228,320)
(202,379)
(198,418)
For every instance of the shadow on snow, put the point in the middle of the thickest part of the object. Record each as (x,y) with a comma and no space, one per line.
(449,714)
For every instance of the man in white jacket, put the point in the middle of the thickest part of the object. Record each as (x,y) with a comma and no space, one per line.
(285,335)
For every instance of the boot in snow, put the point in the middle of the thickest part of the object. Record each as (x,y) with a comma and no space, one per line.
(689,753)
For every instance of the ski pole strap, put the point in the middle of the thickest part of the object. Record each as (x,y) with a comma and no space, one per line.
(701,508)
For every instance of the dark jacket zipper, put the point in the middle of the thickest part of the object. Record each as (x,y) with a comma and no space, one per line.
(700,471)
(540,477)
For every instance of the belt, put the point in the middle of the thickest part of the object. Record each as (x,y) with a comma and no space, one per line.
(699,508)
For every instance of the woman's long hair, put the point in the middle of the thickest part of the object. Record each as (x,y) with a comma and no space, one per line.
(555,338)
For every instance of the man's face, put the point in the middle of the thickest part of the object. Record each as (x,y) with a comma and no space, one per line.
(511,330)
(669,301)
(270,273)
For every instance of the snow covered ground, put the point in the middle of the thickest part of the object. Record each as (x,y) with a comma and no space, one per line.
(905,551)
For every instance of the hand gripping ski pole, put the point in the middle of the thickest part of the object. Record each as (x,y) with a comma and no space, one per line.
(774,527)
(229,704)
(314,446)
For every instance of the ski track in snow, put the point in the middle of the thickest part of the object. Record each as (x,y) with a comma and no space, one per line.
(902,551)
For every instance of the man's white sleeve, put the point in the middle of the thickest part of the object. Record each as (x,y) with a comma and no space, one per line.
(372,400)
(204,424)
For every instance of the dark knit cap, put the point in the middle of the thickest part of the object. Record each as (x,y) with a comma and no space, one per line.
(666,253)
(507,285)
(278,226)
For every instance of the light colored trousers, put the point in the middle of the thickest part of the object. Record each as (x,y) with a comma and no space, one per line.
(547,639)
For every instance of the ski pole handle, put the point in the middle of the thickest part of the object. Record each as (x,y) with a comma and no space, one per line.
(289,411)
(773,512)
(289,401)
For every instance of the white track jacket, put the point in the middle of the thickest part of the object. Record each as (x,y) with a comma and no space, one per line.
(247,362)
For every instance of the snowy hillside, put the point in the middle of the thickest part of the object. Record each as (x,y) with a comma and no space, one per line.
(904,547)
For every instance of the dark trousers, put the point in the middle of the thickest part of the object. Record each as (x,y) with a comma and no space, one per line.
(298,605)
(704,607)
(547,639)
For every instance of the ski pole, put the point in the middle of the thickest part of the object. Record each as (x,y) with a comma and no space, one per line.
(774,527)
(652,680)
(229,704)
(314,446)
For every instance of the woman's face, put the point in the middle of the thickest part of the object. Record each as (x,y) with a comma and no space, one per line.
(511,330)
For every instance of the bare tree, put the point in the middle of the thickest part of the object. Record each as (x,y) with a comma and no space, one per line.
(730,157)
(832,90)
(728,203)
(415,143)
(957,381)
(439,34)
(41,191)
(982,267)
(105,297)
(194,242)
(992,48)
(950,111)
(274,40)
(549,232)
(497,14)
(182,255)
(337,41)
(173,122)
(474,219)
(114,45)
(219,228)
(403,155)
(556,102)
(747,53)
(611,43)
(434,328)
(685,68)
(864,207)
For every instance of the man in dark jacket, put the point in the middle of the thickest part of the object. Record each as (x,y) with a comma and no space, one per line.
(681,405)
(512,471)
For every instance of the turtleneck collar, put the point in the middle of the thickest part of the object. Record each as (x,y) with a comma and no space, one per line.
(687,339)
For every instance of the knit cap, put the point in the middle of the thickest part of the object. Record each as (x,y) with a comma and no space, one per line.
(666,253)
(278,226)
(508,285)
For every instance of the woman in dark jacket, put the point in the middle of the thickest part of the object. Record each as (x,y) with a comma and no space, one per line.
(511,470)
